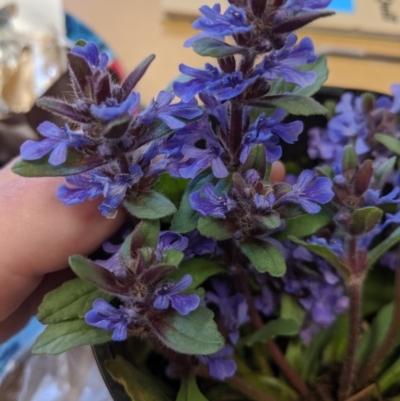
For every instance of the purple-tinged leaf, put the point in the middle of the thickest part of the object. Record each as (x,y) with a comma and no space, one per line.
(98,275)
(157,272)
(76,163)
(80,71)
(364,220)
(146,234)
(363,177)
(61,108)
(299,21)
(210,47)
(117,128)
(102,89)
(134,77)
(217,229)
(192,334)
(258,7)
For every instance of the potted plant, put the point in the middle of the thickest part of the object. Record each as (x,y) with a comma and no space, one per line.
(230,280)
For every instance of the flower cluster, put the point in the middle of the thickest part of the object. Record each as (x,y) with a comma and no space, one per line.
(218,247)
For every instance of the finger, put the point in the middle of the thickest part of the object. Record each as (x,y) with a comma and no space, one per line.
(18,319)
(6,173)
(278,172)
(38,233)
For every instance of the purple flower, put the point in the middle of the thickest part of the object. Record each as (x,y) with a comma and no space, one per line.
(233,308)
(267,131)
(208,202)
(308,191)
(111,109)
(395,106)
(95,183)
(57,141)
(219,364)
(168,113)
(266,302)
(90,52)
(186,90)
(372,197)
(107,317)
(321,146)
(169,293)
(264,202)
(299,6)
(213,24)
(169,240)
(199,245)
(284,62)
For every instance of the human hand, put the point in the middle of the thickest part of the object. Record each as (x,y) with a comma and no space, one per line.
(37,235)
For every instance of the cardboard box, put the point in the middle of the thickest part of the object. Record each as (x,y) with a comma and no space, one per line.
(368,17)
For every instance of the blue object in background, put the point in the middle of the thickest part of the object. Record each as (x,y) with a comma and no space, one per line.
(343,6)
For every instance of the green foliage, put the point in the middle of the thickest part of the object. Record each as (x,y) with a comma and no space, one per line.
(305,225)
(349,159)
(325,253)
(199,268)
(382,171)
(189,390)
(211,47)
(375,253)
(173,257)
(391,143)
(265,257)
(140,386)
(256,160)
(60,337)
(69,301)
(150,206)
(294,104)
(185,219)
(195,333)
(76,163)
(171,187)
(365,219)
(274,328)
(218,229)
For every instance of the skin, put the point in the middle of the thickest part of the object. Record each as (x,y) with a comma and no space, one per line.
(38,234)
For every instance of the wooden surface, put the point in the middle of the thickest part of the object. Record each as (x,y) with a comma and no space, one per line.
(136,28)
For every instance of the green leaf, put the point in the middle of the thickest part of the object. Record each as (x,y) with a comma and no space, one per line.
(210,47)
(305,225)
(76,163)
(390,378)
(218,229)
(171,187)
(265,257)
(98,275)
(375,253)
(60,337)
(185,219)
(391,143)
(256,160)
(172,257)
(140,386)
(271,221)
(349,158)
(150,206)
(375,334)
(69,301)
(189,391)
(280,87)
(293,104)
(274,328)
(364,220)
(325,253)
(291,309)
(382,171)
(146,234)
(195,333)
(199,268)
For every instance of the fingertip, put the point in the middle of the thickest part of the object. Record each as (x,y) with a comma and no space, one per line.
(278,172)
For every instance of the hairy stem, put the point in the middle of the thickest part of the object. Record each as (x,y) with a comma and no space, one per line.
(236,128)
(247,389)
(394,329)
(273,349)
(349,366)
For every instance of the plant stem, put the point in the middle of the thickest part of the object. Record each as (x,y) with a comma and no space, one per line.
(247,389)
(273,349)
(361,394)
(236,128)
(394,329)
(349,366)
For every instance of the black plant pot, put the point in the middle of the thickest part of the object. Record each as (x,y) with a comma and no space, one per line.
(109,351)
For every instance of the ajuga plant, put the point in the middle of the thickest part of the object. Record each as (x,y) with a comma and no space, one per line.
(224,284)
